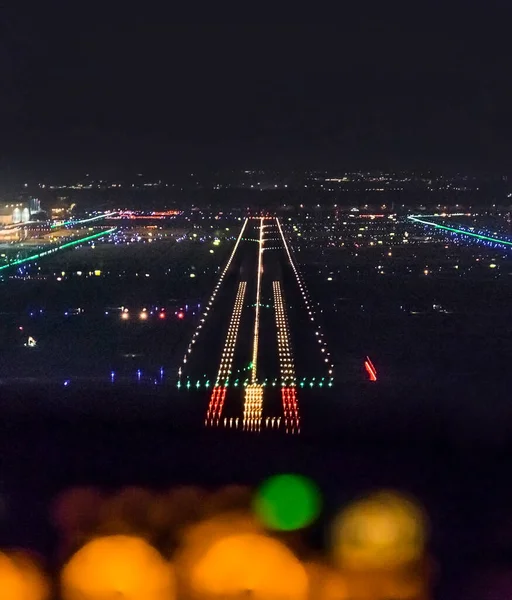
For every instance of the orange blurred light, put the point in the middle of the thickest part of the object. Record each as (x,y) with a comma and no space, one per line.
(161,315)
(21,579)
(143,316)
(118,566)
(249,565)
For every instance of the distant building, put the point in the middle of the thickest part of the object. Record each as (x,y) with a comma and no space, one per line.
(20,212)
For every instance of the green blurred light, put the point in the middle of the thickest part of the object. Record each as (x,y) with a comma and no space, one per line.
(287,502)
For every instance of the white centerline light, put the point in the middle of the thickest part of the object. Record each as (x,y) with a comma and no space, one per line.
(257,308)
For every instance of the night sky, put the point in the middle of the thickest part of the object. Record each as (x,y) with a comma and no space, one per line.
(139,91)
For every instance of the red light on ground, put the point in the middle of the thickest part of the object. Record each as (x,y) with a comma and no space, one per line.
(181,315)
(370,369)
(161,315)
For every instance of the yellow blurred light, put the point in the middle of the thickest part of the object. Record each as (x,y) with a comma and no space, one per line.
(249,565)
(118,567)
(97,272)
(384,530)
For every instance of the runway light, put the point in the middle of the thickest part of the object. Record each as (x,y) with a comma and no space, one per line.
(181,315)
(161,315)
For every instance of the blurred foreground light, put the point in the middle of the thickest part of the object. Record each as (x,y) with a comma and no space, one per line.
(287,502)
(383,531)
(21,579)
(249,566)
(326,583)
(117,567)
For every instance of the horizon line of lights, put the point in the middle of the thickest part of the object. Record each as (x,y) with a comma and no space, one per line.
(33,257)
(461,231)
(286,364)
(309,306)
(206,311)
(216,405)
(257,307)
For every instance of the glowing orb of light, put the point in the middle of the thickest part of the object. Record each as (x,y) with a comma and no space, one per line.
(117,566)
(287,502)
(20,579)
(250,565)
(385,530)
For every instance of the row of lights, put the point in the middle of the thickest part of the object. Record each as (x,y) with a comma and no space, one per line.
(212,297)
(309,307)
(304,382)
(226,361)
(270,422)
(288,379)
(144,314)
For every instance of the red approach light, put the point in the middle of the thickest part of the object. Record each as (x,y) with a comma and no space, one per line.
(161,315)
(370,369)
(181,315)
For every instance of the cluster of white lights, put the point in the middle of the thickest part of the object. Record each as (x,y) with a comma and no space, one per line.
(286,364)
(309,306)
(257,308)
(253,407)
(209,304)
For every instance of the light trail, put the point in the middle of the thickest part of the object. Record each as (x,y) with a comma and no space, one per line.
(50,251)
(254,371)
(80,221)
(326,355)
(216,405)
(286,364)
(209,305)
(486,238)
(370,369)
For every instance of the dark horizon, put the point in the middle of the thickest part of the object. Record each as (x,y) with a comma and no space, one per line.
(136,92)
